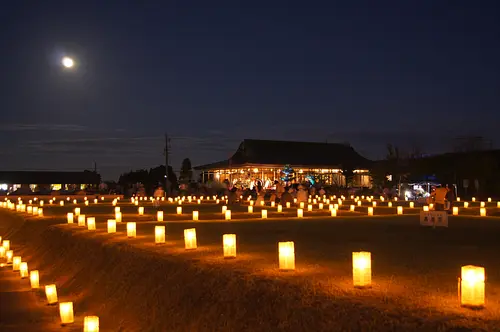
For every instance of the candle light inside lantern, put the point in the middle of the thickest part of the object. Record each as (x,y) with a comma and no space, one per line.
(352,207)
(264,214)
(400,210)
(111,226)
(286,252)
(425,208)
(482,204)
(81,220)
(288,205)
(472,286)
(16,263)
(9,254)
(273,204)
(320,206)
(118,216)
(70,217)
(301,205)
(455,211)
(131,229)
(359,203)
(160,234)
(489,199)
(333,212)
(51,294)
(300,213)
(482,212)
(309,207)
(2,252)
(224,209)
(66,313)
(229,245)
(466,205)
(77,211)
(361,269)
(140,210)
(412,205)
(280,208)
(250,209)
(91,324)
(6,244)
(34,279)
(159,215)
(190,238)
(196,215)
(370,211)
(61,203)
(228,214)
(23,270)
(179,210)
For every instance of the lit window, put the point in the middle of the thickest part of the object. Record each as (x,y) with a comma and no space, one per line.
(56,186)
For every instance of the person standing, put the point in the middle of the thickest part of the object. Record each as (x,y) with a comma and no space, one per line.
(440,198)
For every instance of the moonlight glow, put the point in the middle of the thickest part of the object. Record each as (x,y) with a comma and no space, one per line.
(68,62)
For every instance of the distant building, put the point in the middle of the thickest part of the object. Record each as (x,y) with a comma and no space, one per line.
(44,181)
(264,160)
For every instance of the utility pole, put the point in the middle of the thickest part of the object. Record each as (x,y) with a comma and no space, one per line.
(167,142)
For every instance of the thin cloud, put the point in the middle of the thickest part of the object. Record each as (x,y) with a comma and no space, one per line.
(41,127)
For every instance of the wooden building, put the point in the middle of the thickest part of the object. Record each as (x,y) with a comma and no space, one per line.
(263,161)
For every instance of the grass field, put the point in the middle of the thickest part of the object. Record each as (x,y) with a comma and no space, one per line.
(415,269)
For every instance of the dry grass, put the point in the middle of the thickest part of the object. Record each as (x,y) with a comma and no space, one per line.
(135,285)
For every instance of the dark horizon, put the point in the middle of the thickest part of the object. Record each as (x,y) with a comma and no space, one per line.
(414,74)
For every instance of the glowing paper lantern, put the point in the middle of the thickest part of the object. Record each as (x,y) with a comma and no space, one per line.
(482,204)
(111,226)
(412,205)
(229,245)
(117,209)
(482,212)
(262,203)
(264,214)
(400,210)
(140,210)
(286,253)
(359,203)
(250,209)
(320,206)
(426,208)
(179,210)
(77,211)
(309,207)
(66,313)
(70,217)
(91,324)
(86,203)
(374,204)
(51,294)
(370,211)
(61,203)
(16,263)
(96,201)
(159,215)
(228,214)
(300,213)
(333,212)
(280,208)
(458,199)
(6,244)
(455,211)
(473,199)
(29,209)
(288,205)
(131,229)
(301,205)
(489,199)
(352,207)
(196,215)
(224,209)
(498,204)
(9,254)
(472,286)
(2,252)
(34,279)
(159,234)
(273,204)
(190,238)
(251,202)
(81,220)
(40,212)
(118,216)
(23,270)
(361,269)
(466,205)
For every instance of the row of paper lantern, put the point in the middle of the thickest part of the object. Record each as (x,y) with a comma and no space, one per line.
(90,324)
(472,283)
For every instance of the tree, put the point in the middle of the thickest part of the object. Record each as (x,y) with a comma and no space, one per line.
(186,173)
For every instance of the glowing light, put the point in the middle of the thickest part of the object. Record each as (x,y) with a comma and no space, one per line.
(67,62)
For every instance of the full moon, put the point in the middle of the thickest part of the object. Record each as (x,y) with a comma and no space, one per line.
(68,62)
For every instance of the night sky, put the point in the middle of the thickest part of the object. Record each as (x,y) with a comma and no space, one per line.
(211,73)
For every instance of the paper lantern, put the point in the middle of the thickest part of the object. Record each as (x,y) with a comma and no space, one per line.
(455,211)
(333,212)
(159,234)
(77,211)
(498,204)
(131,229)
(263,214)
(301,205)
(16,263)
(473,199)
(66,313)
(251,202)
(224,209)
(118,216)
(489,199)
(273,204)
(229,245)
(140,210)
(179,210)
(431,206)
(359,203)
(482,204)
(40,212)
(61,203)
(250,209)
(400,210)
(300,213)
(111,226)
(117,209)
(286,253)
(472,286)
(91,324)
(280,208)
(466,205)
(352,207)
(425,208)
(2,252)
(6,244)
(9,254)
(262,203)
(370,211)
(374,204)
(482,212)
(228,214)
(217,201)
(23,270)
(361,269)
(320,206)
(136,203)
(51,294)
(412,205)
(42,203)
(196,215)
(34,279)
(309,207)
(96,201)
(86,203)
(159,215)
(190,238)
(288,205)
(70,217)
(35,210)
(81,220)
(458,199)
